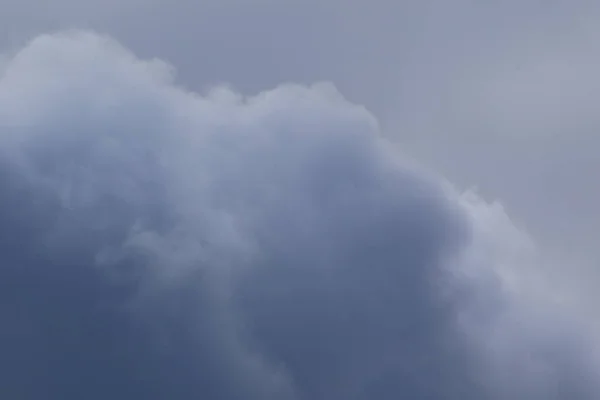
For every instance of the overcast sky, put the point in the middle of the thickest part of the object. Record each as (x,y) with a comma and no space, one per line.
(498,96)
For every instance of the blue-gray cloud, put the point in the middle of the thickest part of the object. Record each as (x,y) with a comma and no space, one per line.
(159,243)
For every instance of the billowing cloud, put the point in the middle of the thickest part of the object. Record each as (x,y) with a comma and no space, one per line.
(160,243)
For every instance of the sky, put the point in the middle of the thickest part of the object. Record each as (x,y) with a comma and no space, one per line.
(279,199)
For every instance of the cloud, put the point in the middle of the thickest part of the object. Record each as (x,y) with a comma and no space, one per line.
(157,243)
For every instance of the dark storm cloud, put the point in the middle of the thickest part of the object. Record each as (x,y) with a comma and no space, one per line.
(158,243)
